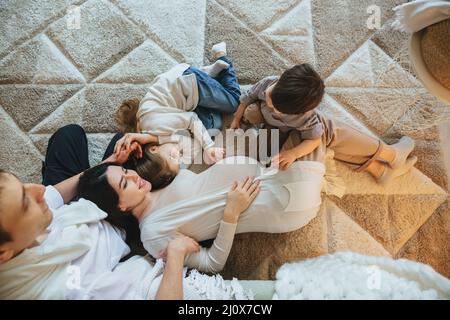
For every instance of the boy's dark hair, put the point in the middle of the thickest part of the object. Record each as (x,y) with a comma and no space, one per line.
(4,236)
(299,89)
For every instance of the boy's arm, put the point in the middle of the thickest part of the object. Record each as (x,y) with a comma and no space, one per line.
(305,147)
(285,158)
(248,98)
(238,116)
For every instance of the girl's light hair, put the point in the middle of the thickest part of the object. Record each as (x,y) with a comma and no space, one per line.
(126,115)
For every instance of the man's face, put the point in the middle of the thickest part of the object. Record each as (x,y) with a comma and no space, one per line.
(24,214)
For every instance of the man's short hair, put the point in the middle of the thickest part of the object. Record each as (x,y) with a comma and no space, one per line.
(4,236)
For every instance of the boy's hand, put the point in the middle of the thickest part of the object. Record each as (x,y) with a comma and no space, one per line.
(213,154)
(236,123)
(284,159)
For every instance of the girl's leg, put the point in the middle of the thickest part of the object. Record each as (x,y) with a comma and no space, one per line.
(211,119)
(67,155)
(213,94)
(228,78)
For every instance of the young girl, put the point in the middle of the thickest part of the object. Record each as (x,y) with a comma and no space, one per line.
(180,103)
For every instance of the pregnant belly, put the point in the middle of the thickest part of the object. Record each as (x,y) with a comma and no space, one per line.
(225,172)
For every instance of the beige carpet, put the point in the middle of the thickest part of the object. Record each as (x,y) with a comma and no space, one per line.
(52,74)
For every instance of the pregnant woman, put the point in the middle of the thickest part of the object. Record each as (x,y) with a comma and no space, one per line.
(209,205)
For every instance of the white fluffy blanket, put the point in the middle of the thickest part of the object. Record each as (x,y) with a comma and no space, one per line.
(347,275)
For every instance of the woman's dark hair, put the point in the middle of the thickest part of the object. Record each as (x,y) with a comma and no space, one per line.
(154,168)
(126,115)
(94,186)
(299,89)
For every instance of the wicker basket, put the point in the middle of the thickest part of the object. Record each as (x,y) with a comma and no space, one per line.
(435,45)
(429,51)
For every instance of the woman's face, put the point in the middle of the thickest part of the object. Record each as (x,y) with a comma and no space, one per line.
(171,153)
(129,186)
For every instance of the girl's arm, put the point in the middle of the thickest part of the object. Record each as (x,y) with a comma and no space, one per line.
(163,125)
(141,138)
(199,132)
(212,260)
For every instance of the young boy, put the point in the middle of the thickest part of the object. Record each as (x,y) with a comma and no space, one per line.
(289,103)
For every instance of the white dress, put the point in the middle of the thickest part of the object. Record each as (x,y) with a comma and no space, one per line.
(193,204)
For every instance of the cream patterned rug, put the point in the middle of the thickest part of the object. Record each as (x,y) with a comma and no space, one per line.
(56,70)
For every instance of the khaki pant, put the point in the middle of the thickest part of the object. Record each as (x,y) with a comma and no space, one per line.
(349,144)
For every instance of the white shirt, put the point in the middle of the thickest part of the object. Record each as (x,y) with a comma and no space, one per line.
(78,259)
(108,247)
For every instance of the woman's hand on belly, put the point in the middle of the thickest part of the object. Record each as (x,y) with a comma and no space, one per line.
(239,198)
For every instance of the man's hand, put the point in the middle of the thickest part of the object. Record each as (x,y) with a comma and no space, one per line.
(284,159)
(171,286)
(182,245)
(213,154)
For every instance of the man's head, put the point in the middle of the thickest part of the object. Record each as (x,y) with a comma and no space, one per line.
(299,89)
(24,215)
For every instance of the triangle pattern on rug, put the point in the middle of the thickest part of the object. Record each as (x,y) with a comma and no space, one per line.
(38,61)
(67,113)
(141,65)
(30,104)
(368,67)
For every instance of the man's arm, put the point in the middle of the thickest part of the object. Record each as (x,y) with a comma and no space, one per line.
(68,188)
(171,286)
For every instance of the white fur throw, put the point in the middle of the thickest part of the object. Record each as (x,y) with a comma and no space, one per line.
(347,275)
